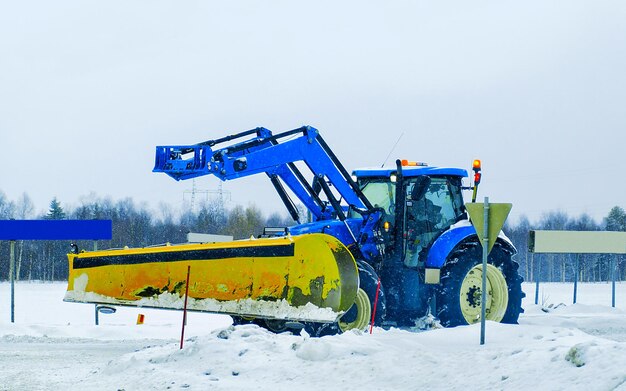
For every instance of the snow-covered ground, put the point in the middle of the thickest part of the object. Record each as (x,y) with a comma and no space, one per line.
(55,345)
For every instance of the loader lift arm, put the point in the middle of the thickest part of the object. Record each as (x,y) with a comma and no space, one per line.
(274,155)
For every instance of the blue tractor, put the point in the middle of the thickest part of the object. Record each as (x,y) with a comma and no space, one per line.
(406,226)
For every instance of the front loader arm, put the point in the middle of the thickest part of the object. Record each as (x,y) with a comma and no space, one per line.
(275,156)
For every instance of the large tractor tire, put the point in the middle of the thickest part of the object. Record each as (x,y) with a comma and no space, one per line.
(359,315)
(368,281)
(459,295)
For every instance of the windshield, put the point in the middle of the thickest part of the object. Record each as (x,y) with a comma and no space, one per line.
(381,193)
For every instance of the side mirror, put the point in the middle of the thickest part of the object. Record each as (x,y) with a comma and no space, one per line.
(420,187)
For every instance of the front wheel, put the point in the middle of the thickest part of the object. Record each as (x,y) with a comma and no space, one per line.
(460,293)
(360,314)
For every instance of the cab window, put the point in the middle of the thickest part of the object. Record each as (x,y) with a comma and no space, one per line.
(433,204)
(381,192)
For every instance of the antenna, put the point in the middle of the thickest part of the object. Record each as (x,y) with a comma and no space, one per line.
(392,149)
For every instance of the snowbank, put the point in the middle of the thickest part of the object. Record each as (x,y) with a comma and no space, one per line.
(572,347)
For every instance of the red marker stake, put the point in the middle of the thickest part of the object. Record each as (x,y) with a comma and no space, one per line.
(375,303)
(182,335)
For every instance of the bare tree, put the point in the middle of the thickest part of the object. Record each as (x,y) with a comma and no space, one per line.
(24,209)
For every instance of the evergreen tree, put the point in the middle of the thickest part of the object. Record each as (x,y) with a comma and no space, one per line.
(53,251)
(56,211)
(616,219)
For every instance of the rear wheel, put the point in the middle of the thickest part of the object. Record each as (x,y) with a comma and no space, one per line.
(497,295)
(460,293)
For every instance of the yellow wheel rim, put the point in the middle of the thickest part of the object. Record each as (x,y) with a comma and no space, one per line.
(363,309)
(471,294)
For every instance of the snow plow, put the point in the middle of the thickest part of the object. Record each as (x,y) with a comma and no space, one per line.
(388,244)
(304,278)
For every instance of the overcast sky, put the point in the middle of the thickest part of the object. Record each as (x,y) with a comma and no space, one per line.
(536,89)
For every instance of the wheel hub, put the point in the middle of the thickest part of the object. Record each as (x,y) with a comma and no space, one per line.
(474,296)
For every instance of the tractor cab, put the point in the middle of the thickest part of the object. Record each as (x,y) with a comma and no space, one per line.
(419,204)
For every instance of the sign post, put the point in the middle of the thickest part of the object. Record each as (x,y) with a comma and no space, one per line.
(12,278)
(486,248)
(488,220)
(537,270)
(576,273)
(613,276)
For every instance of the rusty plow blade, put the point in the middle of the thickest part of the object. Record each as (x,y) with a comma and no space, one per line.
(309,277)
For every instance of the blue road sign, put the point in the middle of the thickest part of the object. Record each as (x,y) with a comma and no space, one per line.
(55,229)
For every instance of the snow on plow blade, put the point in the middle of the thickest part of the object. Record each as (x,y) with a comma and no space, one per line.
(307,277)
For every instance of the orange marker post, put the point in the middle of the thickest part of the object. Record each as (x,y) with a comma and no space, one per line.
(375,304)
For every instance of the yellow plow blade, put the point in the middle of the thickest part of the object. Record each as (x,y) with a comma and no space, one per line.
(309,277)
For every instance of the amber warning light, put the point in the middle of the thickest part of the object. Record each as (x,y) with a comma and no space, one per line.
(476,165)
(477,174)
(407,163)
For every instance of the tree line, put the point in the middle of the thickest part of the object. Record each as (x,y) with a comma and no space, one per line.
(136,226)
